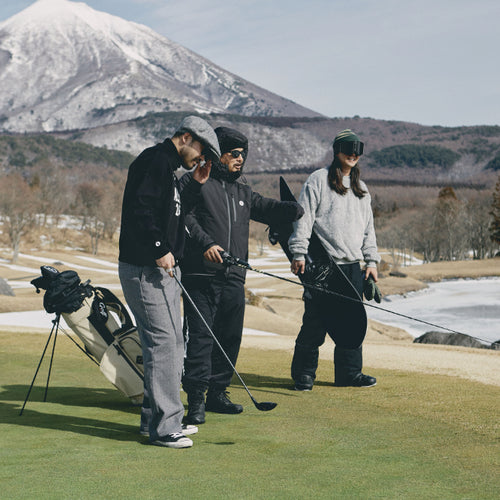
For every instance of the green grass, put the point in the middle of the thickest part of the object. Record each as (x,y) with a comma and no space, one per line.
(411,436)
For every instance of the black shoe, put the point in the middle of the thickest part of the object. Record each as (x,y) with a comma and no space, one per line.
(304,383)
(219,402)
(360,380)
(196,409)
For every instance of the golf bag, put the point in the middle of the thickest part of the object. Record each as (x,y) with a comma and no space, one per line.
(102,323)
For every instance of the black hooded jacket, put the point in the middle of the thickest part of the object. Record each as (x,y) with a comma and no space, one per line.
(221,217)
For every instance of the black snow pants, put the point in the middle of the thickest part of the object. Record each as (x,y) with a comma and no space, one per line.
(348,351)
(222,304)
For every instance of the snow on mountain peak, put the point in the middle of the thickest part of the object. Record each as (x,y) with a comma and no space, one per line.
(64,65)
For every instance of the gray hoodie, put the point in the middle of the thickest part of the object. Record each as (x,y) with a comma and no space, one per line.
(343,223)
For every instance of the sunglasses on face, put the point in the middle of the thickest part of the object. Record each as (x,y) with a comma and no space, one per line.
(235,153)
(350,148)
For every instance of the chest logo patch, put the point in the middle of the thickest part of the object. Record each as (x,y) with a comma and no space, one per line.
(177,200)
(241,203)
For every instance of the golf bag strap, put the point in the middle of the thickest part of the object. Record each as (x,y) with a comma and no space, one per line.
(98,317)
(97,321)
(124,355)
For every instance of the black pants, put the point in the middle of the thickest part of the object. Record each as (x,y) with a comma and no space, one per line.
(222,304)
(319,310)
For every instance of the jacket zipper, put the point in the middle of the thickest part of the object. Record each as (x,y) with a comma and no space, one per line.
(228,218)
(234,208)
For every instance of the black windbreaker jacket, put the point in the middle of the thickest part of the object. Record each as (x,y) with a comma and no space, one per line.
(221,216)
(152,215)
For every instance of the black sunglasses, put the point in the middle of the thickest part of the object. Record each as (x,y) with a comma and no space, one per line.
(235,153)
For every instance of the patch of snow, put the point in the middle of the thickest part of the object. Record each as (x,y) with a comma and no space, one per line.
(71,265)
(467,306)
(42,319)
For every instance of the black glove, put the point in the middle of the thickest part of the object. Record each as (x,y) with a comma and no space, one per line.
(371,290)
(293,210)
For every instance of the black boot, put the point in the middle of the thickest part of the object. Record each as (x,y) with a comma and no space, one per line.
(219,402)
(304,366)
(304,383)
(348,364)
(196,407)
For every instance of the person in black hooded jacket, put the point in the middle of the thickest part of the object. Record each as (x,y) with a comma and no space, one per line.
(220,222)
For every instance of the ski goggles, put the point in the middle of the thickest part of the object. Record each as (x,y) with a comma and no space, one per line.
(235,153)
(350,148)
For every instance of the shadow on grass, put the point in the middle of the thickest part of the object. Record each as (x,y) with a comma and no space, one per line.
(9,414)
(86,397)
(107,399)
(266,383)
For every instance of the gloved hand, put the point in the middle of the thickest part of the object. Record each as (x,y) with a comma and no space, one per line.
(371,290)
(293,210)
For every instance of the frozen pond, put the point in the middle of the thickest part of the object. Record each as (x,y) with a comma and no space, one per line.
(467,306)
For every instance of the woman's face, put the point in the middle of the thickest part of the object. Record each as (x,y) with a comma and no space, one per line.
(347,162)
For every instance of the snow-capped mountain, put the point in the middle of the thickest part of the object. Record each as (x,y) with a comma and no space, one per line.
(66,66)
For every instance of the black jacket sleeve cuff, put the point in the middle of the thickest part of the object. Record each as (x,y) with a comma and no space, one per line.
(159,249)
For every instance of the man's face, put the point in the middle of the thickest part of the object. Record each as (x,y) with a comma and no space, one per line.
(233,164)
(191,152)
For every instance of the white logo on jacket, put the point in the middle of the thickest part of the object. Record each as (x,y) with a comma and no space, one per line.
(177,199)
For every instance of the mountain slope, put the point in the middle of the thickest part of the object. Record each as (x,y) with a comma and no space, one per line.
(66,66)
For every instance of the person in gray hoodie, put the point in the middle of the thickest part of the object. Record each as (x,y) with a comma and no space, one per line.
(337,206)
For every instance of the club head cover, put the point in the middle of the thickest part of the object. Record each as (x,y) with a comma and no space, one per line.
(371,290)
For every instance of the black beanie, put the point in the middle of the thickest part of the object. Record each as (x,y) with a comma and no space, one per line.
(229,139)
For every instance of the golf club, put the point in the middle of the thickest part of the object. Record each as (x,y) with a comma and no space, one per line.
(264,406)
(235,261)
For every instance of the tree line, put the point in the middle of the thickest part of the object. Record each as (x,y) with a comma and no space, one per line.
(43,202)
(449,228)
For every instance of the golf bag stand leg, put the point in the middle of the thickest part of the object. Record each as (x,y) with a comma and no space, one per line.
(55,328)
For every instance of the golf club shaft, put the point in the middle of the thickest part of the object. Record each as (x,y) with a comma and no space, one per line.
(245,265)
(214,337)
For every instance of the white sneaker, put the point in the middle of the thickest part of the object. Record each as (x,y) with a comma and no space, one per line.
(174,440)
(188,429)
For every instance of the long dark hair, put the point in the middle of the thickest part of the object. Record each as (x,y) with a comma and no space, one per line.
(335,176)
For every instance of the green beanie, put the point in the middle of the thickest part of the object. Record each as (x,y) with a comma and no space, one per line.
(346,135)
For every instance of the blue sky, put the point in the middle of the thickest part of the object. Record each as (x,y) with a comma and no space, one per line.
(433,62)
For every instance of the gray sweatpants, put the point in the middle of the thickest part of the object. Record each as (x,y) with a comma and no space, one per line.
(154,298)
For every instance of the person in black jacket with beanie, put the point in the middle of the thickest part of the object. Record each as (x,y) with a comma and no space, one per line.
(220,222)
(151,242)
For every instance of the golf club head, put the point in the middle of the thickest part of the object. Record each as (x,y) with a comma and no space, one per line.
(265,406)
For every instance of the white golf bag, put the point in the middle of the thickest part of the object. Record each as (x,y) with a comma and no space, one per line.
(102,323)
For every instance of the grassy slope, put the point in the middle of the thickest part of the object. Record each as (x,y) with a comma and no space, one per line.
(411,436)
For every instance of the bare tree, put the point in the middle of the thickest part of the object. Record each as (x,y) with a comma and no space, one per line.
(89,199)
(111,208)
(52,190)
(448,222)
(17,208)
(495,213)
(478,223)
